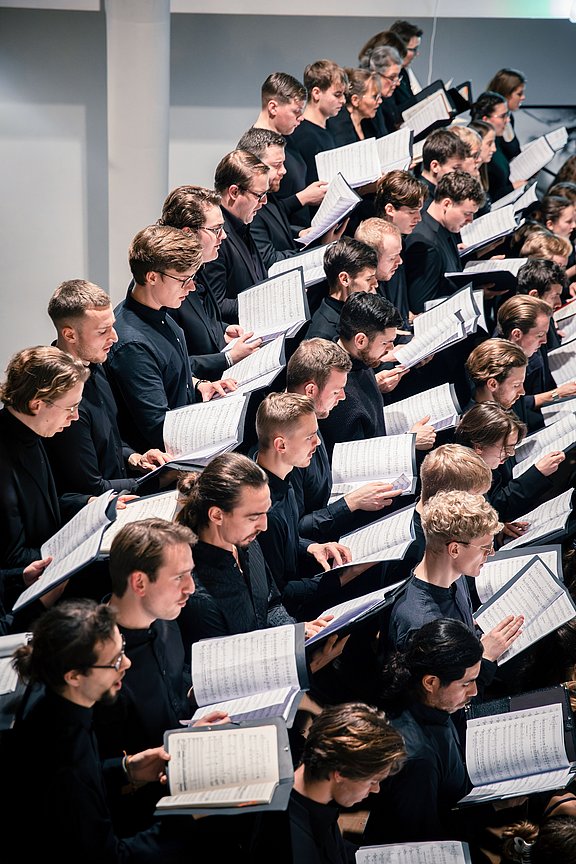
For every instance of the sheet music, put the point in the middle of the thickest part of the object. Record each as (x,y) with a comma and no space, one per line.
(545,519)
(515,744)
(479,300)
(8,676)
(424,114)
(349,611)
(568,310)
(510,198)
(268,359)
(311,262)
(249,707)
(417,149)
(557,410)
(163,506)
(562,362)
(382,458)
(203,761)
(531,160)
(558,436)
(439,402)
(535,594)
(528,197)
(494,224)
(384,540)
(339,200)
(505,265)
(89,519)
(358,163)
(494,574)
(274,305)
(393,148)
(199,430)
(558,138)
(462,301)
(546,781)
(432,340)
(239,665)
(438,852)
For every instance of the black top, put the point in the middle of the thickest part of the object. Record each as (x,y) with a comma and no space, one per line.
(513,497)
(498,170)
(422,602)
(316,836)
(431,250)
(396,291)
(271,229)
(89,455)
(200,318)
(343,130)
(319,520)
(149,371)
(227,599)
(308,139)
(360,415)
(326,319)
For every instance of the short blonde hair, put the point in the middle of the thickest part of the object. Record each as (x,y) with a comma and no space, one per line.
(374,231)
(457,515)
(545,244)
(452,467)
(277,415)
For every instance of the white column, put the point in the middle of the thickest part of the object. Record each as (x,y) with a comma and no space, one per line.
(138,66)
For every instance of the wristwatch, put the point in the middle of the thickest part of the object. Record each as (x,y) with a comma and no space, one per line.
(555,395)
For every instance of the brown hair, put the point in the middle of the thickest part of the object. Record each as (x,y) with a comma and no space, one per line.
(487,424)
(400,189)
(521,312)
(73,298)
(141,546)
(450,467)
(159,247)
(186,206)
(322,74)
(43,373)
(314,360)
(494,358)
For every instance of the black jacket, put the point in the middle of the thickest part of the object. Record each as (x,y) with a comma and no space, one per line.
(430,252)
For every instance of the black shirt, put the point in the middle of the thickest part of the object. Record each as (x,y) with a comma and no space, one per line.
(308,139)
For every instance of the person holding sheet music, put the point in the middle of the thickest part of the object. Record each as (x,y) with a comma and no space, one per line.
(325,83)
(349,751)
(319,369)
(442,152)
(149,365)
(151,576)
(432,248)
(241,180)
(423,686)
(227,506)
(271,228)
(510,83)
(90,455)
(76,659)
(546,280)
(363,97)
(459,529)
(41,395)
(493,108)
(194,209)
(287,431)
(494,433)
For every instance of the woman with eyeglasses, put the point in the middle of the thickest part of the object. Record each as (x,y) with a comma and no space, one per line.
(511,84)
(355,121)
(493,108)
(41,393)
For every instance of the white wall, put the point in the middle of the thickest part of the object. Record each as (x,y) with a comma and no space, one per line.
(53,157)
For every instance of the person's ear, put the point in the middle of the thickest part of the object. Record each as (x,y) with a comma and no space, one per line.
(234,191)
(315,94)
(492,384)
(355,100)
(279,444)
(73,677)
(360,340)
(34,406)
(453,549)
(138,581)
(430,683)
(389,210)
(215,515)
(515,335)
(68,333)
(311,389)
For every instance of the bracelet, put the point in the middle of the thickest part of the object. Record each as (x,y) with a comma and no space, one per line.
(555,395)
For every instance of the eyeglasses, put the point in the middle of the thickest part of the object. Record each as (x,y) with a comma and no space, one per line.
(375,97)
(117,663)
(501,116)
(505,452)
(70,409)
(187,280)
(216,229)
(413,50)
(487,550)
(394,79)
(259,196)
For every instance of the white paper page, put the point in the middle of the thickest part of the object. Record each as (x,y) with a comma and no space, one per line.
(273,305)
(545,438)
(161,506)
(479,300)
(8,676)
(558,138)
(558,410)
(358,163)
(526,199)
(505,265)
(521,786)
(438,852)
(432,340)
(417,149)
(199,429)
(423,114)
(568,310)
(84,524)
(222,757)
(9,643)
(532,595)
(515,744)
(562,362)
(267,359)
(238,708)
(384,540)
(511,198)
(394,148)
(234,666)
(494,224)
(372,459)
(548,517)
(531,160)
(358,602)
(495,574)
(312,263)
(339,200)
(439,402)
(462,301)
(561,442)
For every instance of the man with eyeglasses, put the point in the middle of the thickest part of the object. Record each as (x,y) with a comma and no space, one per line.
(241,180)
(459,529)
(149,366)
(76,660)
(408,86)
